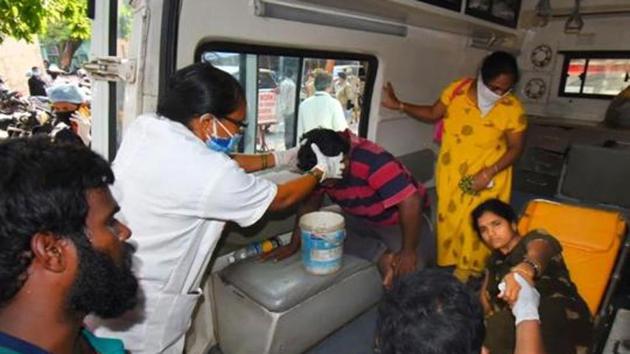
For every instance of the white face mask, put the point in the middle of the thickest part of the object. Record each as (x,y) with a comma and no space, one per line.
(486,99)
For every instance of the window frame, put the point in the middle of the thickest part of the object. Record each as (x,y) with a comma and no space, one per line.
(586,55)
(300,53)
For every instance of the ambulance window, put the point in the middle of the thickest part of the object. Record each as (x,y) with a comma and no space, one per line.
(594,74)
(277,80)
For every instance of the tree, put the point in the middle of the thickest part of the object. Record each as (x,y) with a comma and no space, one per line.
(67,28)
(63,23)
(21,19)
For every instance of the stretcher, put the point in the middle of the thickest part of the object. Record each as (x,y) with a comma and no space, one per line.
(595,246)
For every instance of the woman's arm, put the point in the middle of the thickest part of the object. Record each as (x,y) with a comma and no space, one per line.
(515,143)
(423,113)
(254,162)
(529,338)
(294,191)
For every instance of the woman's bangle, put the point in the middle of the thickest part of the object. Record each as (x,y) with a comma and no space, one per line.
(495,168)
(401,106)
(265,163)
(535,266)
(314,174)
(528,273)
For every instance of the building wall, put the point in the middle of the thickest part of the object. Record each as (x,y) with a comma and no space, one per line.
(16,58)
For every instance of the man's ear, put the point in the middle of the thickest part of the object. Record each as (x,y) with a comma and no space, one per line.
(50,251)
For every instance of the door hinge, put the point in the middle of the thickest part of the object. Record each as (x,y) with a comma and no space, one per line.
(111,69)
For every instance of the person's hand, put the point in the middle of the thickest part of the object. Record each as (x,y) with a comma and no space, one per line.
(82,127)
(287,157)
(389,99)
(482,179)
(510,288)
(405,262)
(526,305)
(331,166)
(281,252)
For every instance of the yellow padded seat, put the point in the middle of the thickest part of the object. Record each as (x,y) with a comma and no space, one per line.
(590,238)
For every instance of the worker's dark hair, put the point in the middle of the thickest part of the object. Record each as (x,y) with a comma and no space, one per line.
(430,312)
(495,206)
(42,189)
(330,142)
(199,89)
(499,63)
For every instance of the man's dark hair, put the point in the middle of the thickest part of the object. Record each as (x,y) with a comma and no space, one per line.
(342,75)
(199,89)
(330,142)
(42,189)
(495,206)
(499,63)
(430,312)
(323,80)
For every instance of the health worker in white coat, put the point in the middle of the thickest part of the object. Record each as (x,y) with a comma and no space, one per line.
(177,187)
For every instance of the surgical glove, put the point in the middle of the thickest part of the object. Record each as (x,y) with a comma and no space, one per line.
(526,306)
(83,127)
(287,157)
(331,166)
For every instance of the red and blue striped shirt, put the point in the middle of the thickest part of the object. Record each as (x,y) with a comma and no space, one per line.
(376,183)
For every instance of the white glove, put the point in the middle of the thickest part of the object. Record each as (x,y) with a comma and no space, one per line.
(83,127)
(331,166)
(287,157)
(526,306)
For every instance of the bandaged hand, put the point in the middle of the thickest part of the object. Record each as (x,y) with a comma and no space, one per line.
(287,157)
(331,166)
(526,306)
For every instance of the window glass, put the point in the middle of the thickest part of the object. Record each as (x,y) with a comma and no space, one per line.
(125,18)
(574,75)
(595,74)
(276,85)
(606,76)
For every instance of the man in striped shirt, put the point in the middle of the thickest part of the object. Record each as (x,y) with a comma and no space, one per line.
(381,202)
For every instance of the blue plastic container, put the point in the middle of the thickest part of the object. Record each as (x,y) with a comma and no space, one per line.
(323,233)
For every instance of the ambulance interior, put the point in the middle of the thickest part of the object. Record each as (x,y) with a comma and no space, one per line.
(574,58)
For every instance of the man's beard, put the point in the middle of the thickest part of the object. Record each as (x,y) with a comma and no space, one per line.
(102,287)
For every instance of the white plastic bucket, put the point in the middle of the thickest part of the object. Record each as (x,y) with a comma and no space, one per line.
(323,233)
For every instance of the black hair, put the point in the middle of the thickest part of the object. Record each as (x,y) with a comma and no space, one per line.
(330,142)
(499,63)
(430,312)
(42,189)
(495,206)
(322,80)
(341,74)
(288,73)
(199,89)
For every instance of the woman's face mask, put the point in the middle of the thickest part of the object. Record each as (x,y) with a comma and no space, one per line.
(486,98)
(222,144)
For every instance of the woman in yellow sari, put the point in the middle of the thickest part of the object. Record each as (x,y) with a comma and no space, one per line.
(484,128)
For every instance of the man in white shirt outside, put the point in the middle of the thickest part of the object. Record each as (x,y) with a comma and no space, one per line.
(321,110)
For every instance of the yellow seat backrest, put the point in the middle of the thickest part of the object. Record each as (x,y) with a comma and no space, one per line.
(590,239)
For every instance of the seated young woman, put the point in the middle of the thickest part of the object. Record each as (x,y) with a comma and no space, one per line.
(566,323)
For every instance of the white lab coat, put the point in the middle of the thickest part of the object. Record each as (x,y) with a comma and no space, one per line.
(176,195)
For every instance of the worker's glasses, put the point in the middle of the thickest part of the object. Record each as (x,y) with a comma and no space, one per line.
(238,123)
